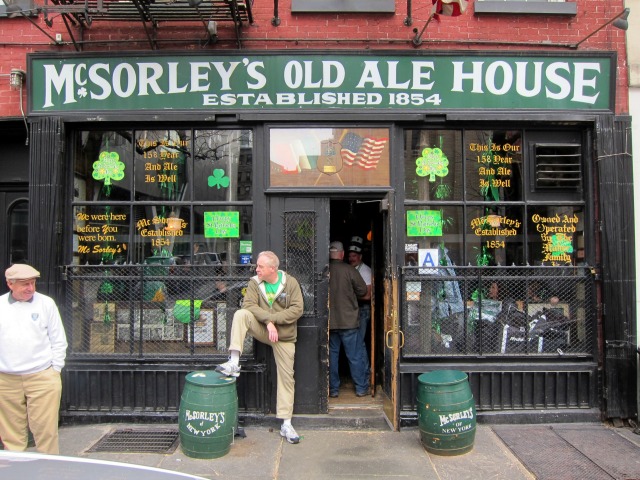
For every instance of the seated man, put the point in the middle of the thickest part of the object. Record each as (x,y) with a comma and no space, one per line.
(271,309)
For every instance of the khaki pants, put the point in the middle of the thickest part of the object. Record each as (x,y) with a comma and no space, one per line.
(284,353)
(30,401)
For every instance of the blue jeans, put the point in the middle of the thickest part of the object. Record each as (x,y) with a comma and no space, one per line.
(350,339)
(364,314)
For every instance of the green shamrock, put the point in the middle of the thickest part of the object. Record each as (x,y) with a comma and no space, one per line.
(560,244)
(218,179)
(108,167)
(432,162)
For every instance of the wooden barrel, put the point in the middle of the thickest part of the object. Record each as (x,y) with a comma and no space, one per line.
(208,415)
(446,412)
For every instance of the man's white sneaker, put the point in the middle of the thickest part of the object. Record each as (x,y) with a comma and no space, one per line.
(229,369)
(289,433)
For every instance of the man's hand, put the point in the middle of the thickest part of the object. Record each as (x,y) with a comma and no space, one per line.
(273,332)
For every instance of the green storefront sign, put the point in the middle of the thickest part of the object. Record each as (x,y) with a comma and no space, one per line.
(221,224)
(424,223)
(313,81)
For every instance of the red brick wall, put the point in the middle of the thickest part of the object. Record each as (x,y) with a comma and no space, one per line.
(526,33)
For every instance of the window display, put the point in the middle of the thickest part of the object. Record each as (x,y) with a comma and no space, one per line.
(154,271)
(487,271)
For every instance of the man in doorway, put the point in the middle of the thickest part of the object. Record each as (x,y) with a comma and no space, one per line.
(33,347)
(270,312)
(364,302)
(345,286)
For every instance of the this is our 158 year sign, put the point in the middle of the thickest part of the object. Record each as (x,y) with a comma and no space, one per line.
(314,81)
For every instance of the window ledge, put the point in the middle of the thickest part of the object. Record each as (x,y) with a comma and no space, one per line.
(526,8)
(343,6)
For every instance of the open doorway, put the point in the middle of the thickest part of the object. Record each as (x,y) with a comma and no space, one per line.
(363,219)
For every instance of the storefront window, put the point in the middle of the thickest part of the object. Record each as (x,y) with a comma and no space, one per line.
(494,165)
(223,165)
(494,235)
(159,272)
(437,228)
(556,235)
(101,234)
(161,166)
(488,267)
(103,166)
(225,231)
(329,157)
(433,165)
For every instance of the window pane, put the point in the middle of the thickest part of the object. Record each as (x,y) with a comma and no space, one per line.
(495,236)
(329,157)
(223,165)
(162,234)
(103,166)
(162,166)
(433,164)
(436,228)
(18,226)
(227,231)
(100,235)
(494,165)
(556,235)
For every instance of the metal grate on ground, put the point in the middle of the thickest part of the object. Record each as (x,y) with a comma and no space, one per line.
(137,441)
(549,456)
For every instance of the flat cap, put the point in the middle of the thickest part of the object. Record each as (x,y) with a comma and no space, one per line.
(21,271)
(355,248)
(336,247)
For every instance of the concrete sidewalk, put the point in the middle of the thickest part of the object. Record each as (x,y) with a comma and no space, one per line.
(383,454)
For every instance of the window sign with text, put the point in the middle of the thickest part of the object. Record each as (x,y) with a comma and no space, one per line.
(221,224)
(424,223)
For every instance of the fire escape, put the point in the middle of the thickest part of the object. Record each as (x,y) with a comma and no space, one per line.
(151,14)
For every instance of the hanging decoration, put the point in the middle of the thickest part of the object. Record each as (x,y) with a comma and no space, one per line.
(432,163)
(108,167)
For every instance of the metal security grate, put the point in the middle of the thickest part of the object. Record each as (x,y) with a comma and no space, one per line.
(452,310)
(300,250)
(141,441)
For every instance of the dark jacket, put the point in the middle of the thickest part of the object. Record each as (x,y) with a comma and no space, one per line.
(287,308)
(345,285)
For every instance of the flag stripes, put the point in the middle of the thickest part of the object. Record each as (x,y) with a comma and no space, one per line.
(362,151)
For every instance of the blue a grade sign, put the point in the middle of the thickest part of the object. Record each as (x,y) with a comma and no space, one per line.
(311,82)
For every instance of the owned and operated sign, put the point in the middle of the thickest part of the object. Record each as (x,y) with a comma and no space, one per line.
(314,81)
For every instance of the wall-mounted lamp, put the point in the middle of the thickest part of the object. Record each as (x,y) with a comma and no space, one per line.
(16,78)
(622,22)
(619,21)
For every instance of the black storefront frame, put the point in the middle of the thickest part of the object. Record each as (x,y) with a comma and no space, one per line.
(48,141)
(49,128)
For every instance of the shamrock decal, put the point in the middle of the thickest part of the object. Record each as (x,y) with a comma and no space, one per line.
(108,167)
(432,162)
(560,244)
(218,179)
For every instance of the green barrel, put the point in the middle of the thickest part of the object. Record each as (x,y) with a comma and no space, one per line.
(208,414)
(446,412)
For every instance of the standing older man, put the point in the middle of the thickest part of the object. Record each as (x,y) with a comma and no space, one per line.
(364,302)
(33,347)
(270,312)
(345,286)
